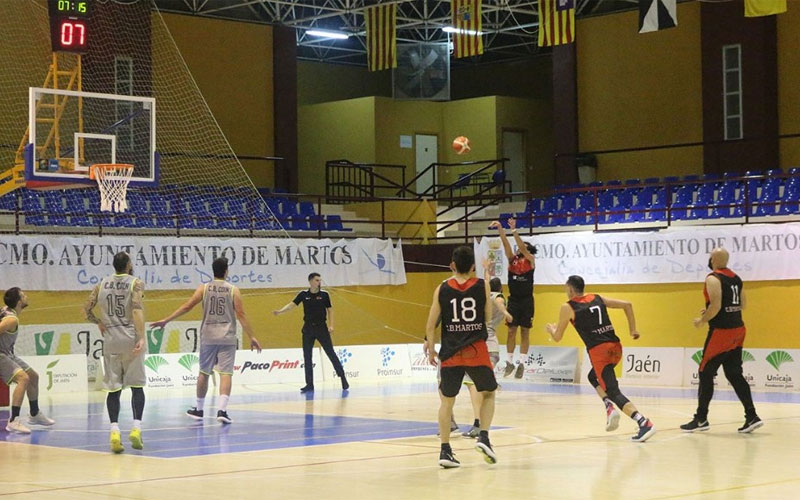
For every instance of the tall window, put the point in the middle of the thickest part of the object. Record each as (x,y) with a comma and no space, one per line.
(732,90)
(123,110)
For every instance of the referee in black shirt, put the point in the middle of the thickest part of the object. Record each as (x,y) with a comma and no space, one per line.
(316,308)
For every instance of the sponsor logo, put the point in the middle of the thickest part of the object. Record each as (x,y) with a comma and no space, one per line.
(155,362)
(379,262)
(155,337)
(537,359)
(343,354)
(386,355)
(188,361)
(698,357)
(50,374)
(269,366)
(642,366)
(777,358)
(43,342)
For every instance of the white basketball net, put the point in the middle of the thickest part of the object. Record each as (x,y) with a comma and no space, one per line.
(113,184)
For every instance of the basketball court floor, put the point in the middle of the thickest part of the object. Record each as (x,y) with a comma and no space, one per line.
(378,441)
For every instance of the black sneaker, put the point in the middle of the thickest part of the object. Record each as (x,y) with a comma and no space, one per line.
(308,388)
(751,424)
(696,426)
(485,448)
(194,413)
(447,460)
(222,416)
(646,431)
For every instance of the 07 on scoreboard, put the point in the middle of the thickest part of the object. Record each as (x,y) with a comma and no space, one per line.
(69,25)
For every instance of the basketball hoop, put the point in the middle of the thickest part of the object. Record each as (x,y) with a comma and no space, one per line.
(112,179)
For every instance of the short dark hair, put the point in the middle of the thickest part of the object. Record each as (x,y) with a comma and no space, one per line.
(464,259)
(312,276)
(531,248)
(220,267)
(12,297)
(121,260)
(576,282)
(495,285)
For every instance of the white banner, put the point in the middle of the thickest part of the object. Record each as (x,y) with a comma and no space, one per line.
(59,373)
(52,262)
(171,370)
(652,366)
(419,362)
(274,366)
(85,338)
(764,369)
(370,361)
(675,255)
(546,364)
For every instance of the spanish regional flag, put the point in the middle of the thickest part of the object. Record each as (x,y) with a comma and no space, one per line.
(556,22)
(381,37)
(468,40)
(758,8)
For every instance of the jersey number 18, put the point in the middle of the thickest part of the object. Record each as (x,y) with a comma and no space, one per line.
(467,307)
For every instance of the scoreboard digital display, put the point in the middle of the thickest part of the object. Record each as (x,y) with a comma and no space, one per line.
(69,27)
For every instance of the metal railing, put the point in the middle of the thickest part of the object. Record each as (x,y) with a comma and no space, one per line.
(345,179)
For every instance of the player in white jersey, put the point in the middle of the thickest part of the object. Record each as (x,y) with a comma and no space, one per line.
(121,324)
(499,314)
(14,369)
(222,306)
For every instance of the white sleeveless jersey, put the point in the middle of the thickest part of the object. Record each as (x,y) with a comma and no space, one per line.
(494,323)
(8,339)
(219,317)
(115,299)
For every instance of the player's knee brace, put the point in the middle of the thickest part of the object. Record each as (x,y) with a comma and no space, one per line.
(593,379)
(617,397)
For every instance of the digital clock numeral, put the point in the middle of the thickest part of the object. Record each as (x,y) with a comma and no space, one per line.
(73,34)
(82,7)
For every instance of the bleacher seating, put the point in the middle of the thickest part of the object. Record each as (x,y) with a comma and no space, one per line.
(198,207)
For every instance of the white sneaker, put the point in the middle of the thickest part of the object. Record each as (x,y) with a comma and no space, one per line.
(18,427)
(612,420)
(40,419)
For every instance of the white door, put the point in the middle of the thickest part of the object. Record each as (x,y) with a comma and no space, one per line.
(427,152)
(514,150)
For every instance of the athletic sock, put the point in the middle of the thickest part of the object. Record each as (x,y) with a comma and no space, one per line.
(14,413)
(200,403)
(511,358)
(34,407)
(639,418)
(137,424)
(223,402)
(476,423)
(114,426)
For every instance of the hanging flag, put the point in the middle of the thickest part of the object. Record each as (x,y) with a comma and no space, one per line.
(657,15)
(556,22)
(468,39)
(758,8)
(381,21)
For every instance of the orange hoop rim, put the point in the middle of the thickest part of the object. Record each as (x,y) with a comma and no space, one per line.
(107,166)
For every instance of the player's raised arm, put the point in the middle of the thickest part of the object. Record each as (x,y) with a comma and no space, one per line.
(187,306)
(506,245)
(628,308)
(556,330)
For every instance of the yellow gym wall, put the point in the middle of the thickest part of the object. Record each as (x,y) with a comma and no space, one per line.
(333,131)
(640,90)
(789,86)
(232,65)
(535,118)
(321,82)
(397,314)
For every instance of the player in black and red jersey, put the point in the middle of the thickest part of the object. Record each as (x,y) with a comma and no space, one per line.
(588,313)
(462,303)
(521,266)
(725,300)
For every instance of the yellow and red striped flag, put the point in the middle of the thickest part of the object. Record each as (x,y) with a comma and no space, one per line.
(758,8)
(556,22)
(468,39)
(381,22)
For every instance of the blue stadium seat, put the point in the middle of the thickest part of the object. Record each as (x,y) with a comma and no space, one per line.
(625,198)
(504,219)
(8,203)
(334,223)
(711,177)
(790,201)
(731,175)
(307,208)
(632,182)
(705,195)
(691,178)
(534,205)
(652,180)
(766,203)
(794,171)
(774,172)
(671,179)
(524,219)
(638,213)
(316,222)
